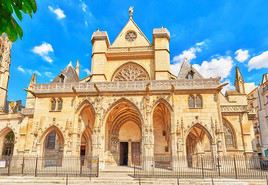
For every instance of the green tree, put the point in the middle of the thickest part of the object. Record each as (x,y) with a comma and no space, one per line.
(9,11)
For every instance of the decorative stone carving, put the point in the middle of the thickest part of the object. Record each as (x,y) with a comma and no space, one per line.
(131,36)
(233,108)
(131,72)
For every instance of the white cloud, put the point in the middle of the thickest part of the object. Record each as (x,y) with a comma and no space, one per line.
(21,69)
(48,74)
(228,87)
(259,61)
(58,12)
(87,71)
(43,51)
(249,87)
(28,71)
(216,67)
(83,6)
(241,55)
(175,68)
(189,54)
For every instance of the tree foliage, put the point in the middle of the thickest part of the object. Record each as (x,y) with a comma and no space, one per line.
(10,10)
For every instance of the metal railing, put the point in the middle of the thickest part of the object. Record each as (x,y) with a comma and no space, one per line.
(237,167)
(48,166)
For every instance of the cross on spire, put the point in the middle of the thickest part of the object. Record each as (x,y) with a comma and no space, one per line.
(130,11)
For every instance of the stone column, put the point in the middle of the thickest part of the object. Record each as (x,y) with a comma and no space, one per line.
(148,148)
(129,154)
(98,140)
(173,137)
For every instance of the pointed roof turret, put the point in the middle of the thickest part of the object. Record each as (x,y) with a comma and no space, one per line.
(239,81)
(67,75)
(187,71)
(32,81)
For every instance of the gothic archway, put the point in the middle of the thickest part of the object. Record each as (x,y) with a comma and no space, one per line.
(198,143)
(123,134)
(162,134)
(229,135)
(130,72)
(53,146)
(87,119)
(7,138)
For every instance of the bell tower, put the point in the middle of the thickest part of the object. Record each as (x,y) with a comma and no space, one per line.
(5,47)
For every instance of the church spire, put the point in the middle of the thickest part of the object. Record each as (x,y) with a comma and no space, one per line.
(32,81)
(239,81)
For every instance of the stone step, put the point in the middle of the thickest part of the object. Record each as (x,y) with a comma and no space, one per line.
(19,180)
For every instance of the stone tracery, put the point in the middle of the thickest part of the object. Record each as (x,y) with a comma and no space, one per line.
(130,72)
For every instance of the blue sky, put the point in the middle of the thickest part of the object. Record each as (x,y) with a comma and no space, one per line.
(215,36)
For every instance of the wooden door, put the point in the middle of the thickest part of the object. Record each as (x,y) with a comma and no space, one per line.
(135,150)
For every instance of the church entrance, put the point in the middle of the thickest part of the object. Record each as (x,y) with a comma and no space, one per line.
(198,144)
(123,135)
(123,153)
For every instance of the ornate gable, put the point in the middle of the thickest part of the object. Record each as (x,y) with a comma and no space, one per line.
(131,35)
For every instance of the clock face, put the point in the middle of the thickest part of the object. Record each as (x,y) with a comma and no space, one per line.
(131,36)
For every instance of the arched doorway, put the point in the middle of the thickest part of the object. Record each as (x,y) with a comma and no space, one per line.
(123,134)
(53,145)
(87,117)
(198,143)
(8,139)
(162,134)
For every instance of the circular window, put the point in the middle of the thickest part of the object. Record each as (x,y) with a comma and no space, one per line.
(131,36)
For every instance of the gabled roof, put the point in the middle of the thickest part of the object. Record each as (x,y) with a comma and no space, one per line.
(187,68)
(141,39)
(68,74)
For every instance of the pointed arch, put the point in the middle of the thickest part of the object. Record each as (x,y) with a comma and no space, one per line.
(229,135)
(130,71)
(161,117)
(53,104)
(48,130)
(123,125)
(83,104)
(198,143)
(122,100)
(165,102)
(191,101)
(59,104)
(198,101)
(7,139)
(52,142)
(198,125)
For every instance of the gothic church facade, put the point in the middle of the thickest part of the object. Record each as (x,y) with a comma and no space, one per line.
(131,109)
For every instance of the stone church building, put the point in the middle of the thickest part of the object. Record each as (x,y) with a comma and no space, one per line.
(131,109)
